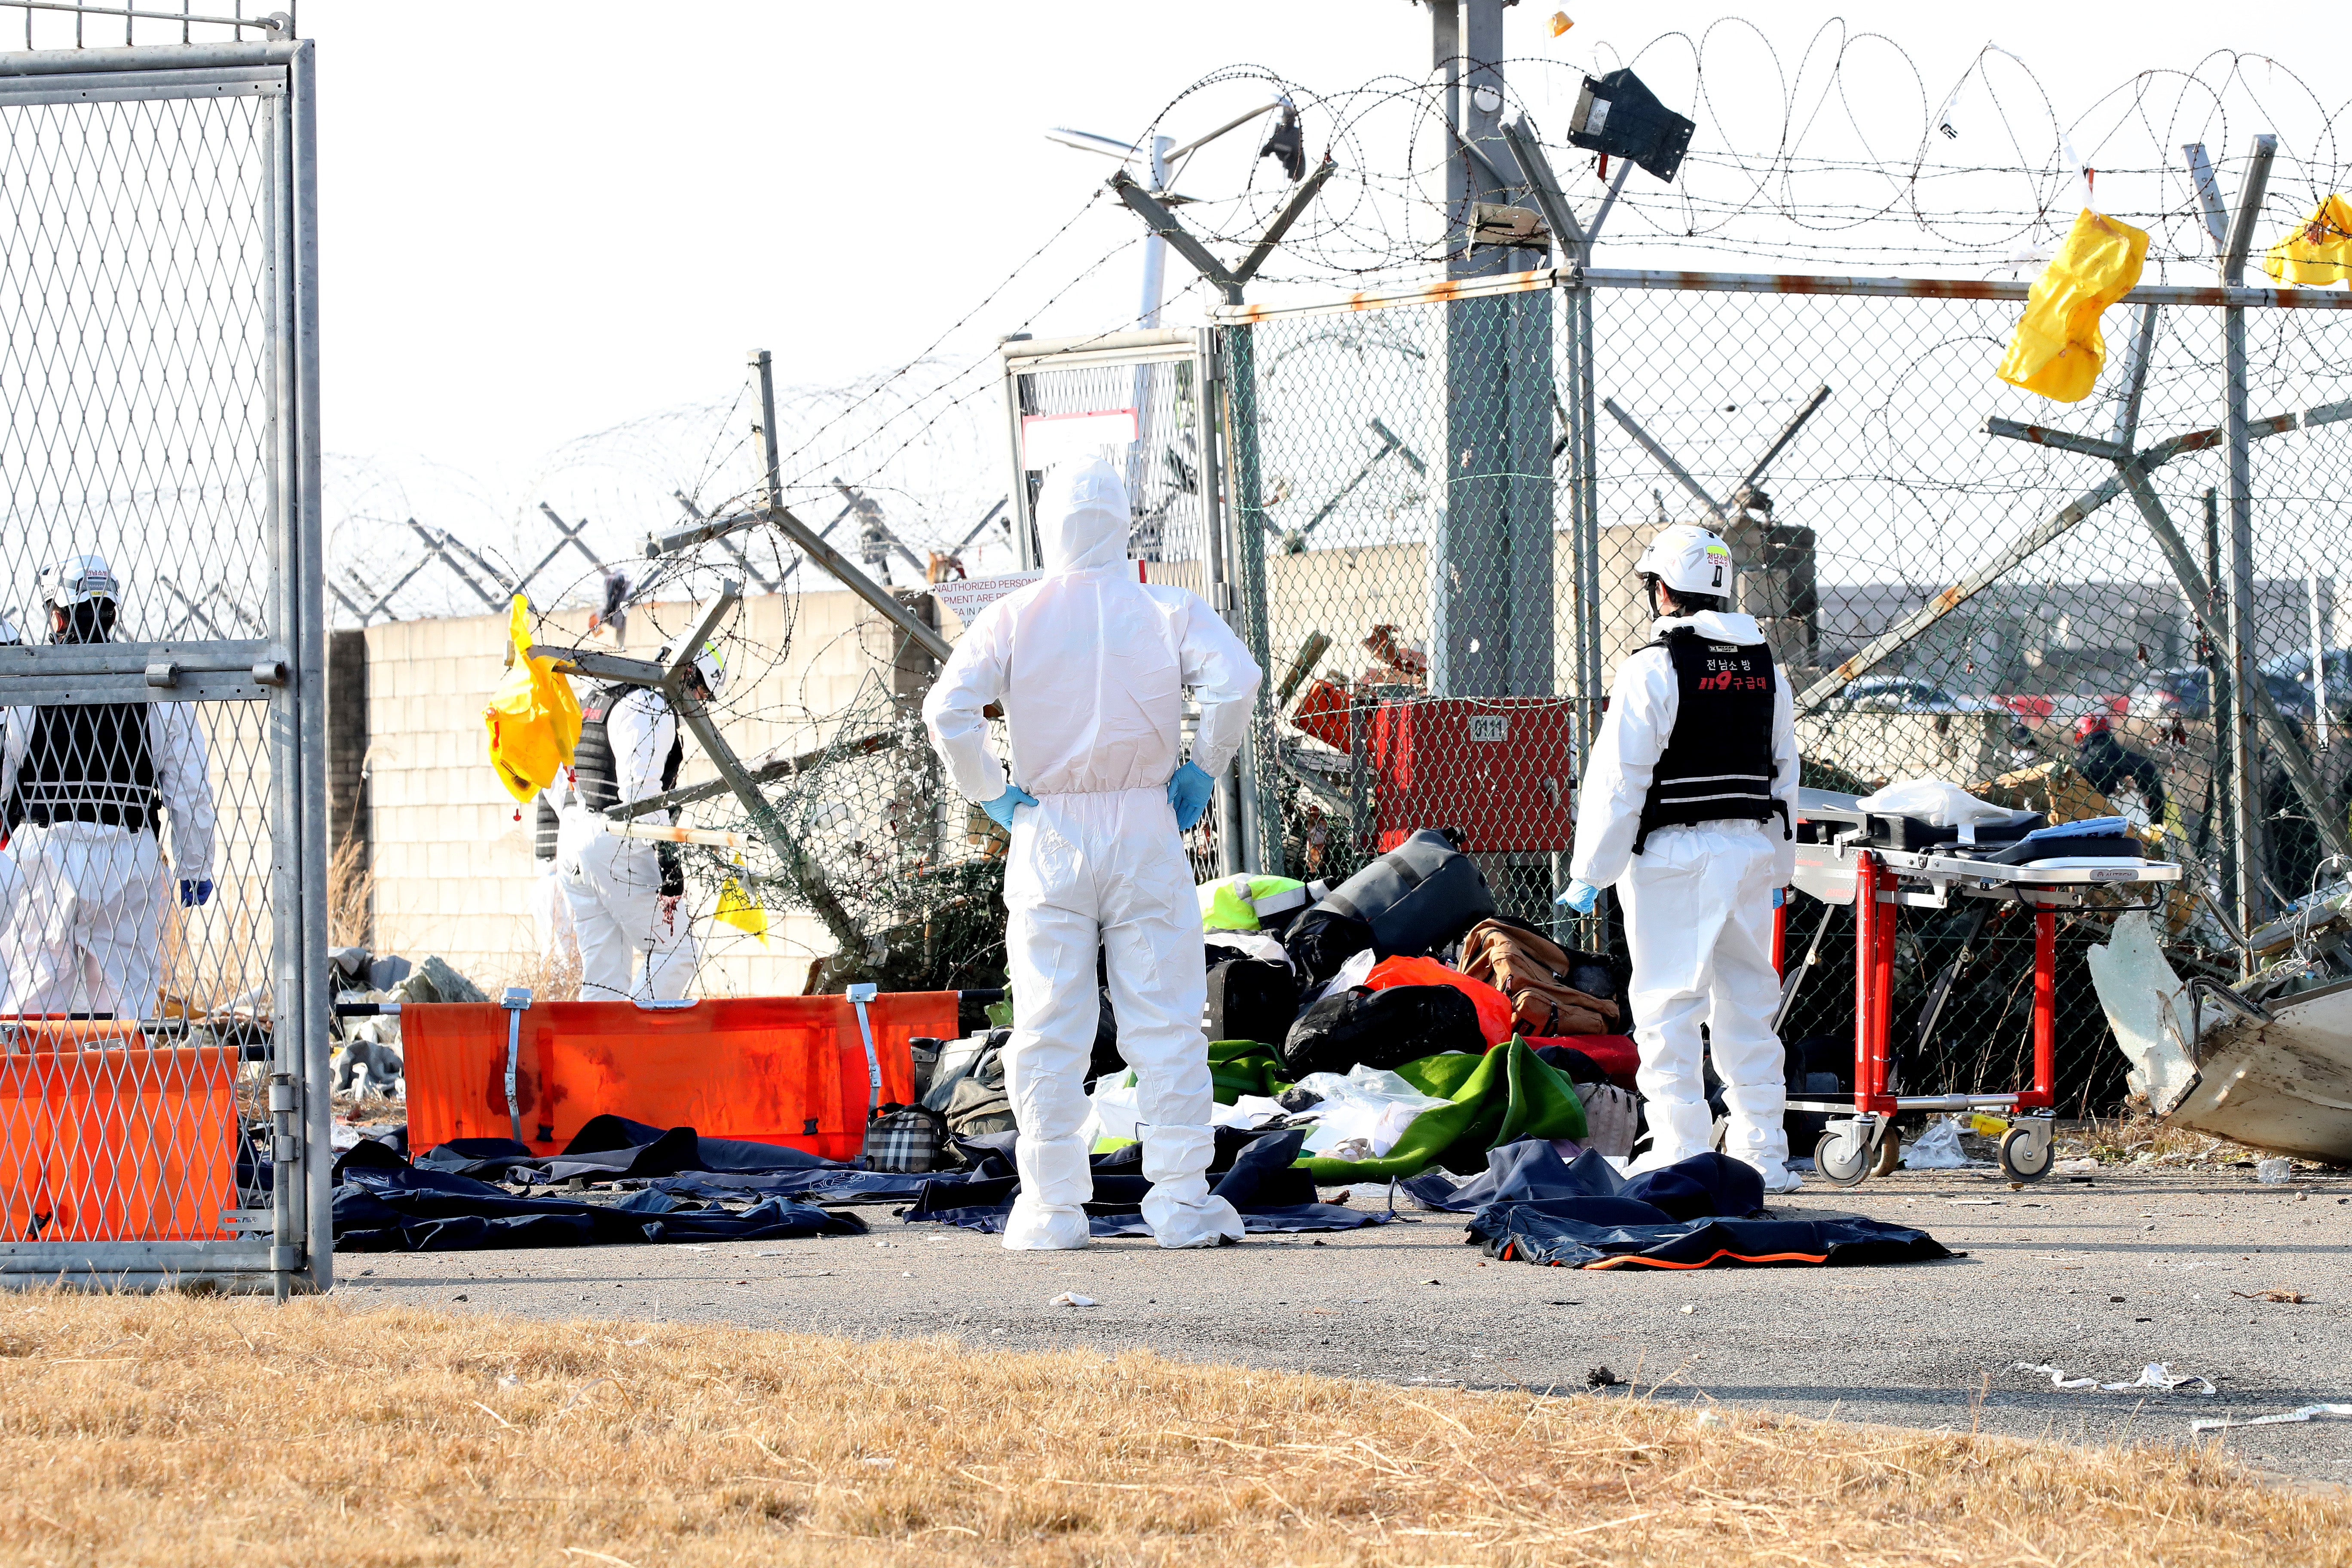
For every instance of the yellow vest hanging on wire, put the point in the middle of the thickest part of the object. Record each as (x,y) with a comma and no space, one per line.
(2318,253)
(2057,349)
(533,717)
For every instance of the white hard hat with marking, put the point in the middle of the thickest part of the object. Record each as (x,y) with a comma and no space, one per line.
(77,580)
(1687,559)
(710,662)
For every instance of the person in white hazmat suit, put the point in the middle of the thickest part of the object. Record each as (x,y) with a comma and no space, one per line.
(551,911)
(1688,811)
(626,896)
(11,882)
(1090,666)
(88,788)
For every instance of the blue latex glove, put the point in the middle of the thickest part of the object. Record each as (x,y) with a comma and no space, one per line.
(1189,793)
(193,892)
(1779,897)
(1000,810)
(1580,897)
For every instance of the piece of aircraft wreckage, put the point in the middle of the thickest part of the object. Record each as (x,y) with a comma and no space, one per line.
(2268,1062)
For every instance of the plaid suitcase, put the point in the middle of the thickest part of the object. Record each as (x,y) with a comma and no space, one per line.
(905,1139)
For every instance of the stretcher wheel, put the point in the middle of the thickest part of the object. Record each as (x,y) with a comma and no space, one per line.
(2020,1160)
(1839,1170)
(1889,1153)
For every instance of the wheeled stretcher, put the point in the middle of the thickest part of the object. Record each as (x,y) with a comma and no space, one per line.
(1878,863)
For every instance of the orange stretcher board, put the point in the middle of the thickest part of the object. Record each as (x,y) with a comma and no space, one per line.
(771,1069)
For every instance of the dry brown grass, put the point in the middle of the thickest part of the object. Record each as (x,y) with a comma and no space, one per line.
(351,895)
(205,1431)
(2137,1138)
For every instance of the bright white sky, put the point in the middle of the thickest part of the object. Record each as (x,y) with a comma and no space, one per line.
(540,220)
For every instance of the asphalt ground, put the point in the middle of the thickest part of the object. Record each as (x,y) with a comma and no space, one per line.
(2139,1264)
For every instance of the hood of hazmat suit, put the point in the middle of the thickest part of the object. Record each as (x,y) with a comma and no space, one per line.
(1091,667)
(1697,896)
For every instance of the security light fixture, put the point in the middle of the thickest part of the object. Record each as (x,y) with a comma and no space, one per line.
(1616,116)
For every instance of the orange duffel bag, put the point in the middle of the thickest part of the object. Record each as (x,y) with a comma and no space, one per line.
(773,1069)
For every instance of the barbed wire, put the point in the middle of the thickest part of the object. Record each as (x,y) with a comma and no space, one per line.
(1844,155)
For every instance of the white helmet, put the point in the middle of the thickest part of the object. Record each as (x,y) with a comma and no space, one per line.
(711,664)
(1687,559)
(77,580)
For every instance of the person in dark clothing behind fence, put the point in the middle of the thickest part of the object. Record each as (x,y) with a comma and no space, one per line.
(89,789)
(2110,767)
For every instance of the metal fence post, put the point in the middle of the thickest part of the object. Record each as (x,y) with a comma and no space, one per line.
(1261,839)
(1219,534)
(289,1195)
(2245,780)
(310,675)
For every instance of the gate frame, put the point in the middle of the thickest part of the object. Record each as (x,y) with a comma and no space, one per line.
(287,670)
(1238,812)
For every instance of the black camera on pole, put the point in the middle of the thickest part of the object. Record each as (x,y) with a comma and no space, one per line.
(1618,116)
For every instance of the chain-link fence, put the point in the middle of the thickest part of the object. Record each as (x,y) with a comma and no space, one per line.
(1436,501)
(162,1060)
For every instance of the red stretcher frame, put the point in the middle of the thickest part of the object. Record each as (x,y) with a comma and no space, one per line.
(1875,919)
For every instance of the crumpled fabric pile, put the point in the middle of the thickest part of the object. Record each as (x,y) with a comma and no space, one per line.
(382,1204)
(1532,1206)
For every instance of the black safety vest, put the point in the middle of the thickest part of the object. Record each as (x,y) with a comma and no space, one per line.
(1718,763)
(595,773)
(88,763)
(596,778)
(548,827)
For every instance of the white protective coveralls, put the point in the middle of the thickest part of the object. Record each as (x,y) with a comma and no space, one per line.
(1698,915)
(613,885)
(551,911)
(1090,666)
(84,930)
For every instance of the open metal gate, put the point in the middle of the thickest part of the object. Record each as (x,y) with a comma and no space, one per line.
(163,1074)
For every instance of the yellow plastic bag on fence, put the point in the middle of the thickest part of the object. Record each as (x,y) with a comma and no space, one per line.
(2057,350)
(2318,253)
(533,717)
(739,909)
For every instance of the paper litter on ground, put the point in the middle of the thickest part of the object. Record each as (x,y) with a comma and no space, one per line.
(2219,1424)
(2155,1374)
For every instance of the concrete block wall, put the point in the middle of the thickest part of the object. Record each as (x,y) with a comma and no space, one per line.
(451,863)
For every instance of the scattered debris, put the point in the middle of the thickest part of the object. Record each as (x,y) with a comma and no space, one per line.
(1689,1308)
(2155,1374)
(1601,1377)
(1938,1148)
(2221,1424)
(1071,1298)
(2291,1298)
(2255,1064)
(2274,1173)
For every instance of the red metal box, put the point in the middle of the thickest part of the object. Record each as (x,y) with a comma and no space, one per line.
(1501,769)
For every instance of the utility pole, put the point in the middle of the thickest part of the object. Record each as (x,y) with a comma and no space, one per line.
(1491,591)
